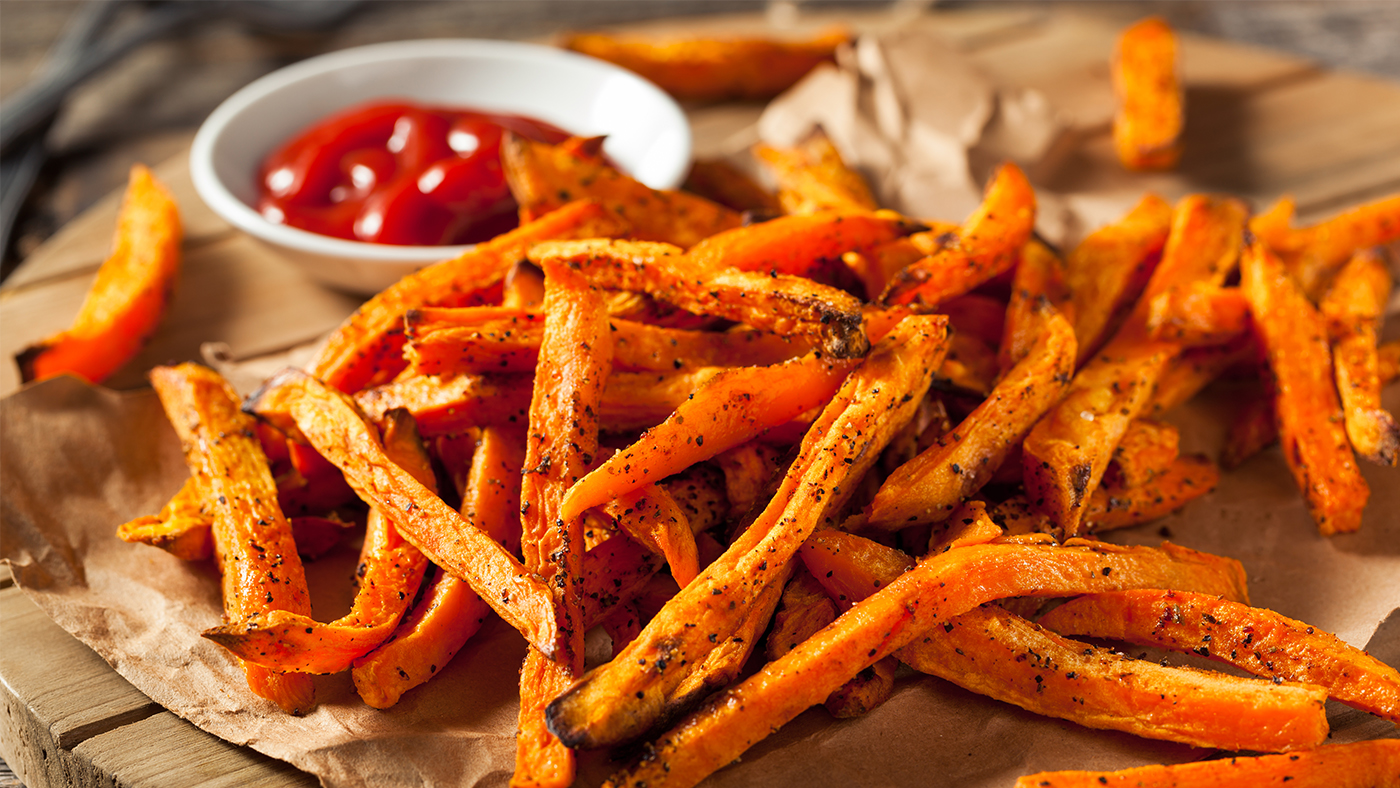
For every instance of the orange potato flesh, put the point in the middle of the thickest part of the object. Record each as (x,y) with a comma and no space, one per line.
(652,517)
(719,181)
(1148,448)
(622,699)
(1354,307)
(929,487)
(367,349)
(129,295)
(1194,369)
(734,407)
(1040,274)
(781,304)
(1309,414)
(1252,429)
(543,177)
(1366,764)
(971,365)
(988,244)
(253,541)
(1199,315)
(812,177)
(935,590)
(796,245)
(1317,252)
(1186,479)
(183,527)
(1388,361)
(303,406)
(1257,640)
(714,69)
(444,406)
(1150,117)
(1273,226)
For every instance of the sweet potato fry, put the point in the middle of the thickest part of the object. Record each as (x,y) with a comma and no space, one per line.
(1274,226)
(1253,428)
(1067,452)
(389,573)
(129,295)
(1150,117)
(1320,250)
(640,400)
(935,590)
(734,407)
(310,410)
(1364,764)
(1147,449)
(252,540)
(781,304)
(1257,640)
(929,487)
(812,177)
(714,69)
(443,406)
(1039,274)
(1309,415)
(367,349)
(544,177)
(988,245)
(803,610)
(1194,369)
(979,315)
(1388,361)
(1187,478)
(623,698)
(183,527)
(651,516)
(747,468)
(1354,307)
(796,245)
(719,181)
(1202,314)
(970,366)
(1109,269)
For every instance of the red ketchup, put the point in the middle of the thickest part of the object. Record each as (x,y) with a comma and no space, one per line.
(397,173)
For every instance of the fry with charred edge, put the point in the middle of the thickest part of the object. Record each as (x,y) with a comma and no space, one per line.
(714,69)
(622,699)
(1148,448)
(1108,270)
(367,349)
(181,529)
(447,341)
(443,406)
(935,590)
(651,516)
(928,487)
(1365,764)
(543,177)
(1067,452)
(1040,274)
(1150,117)
(1202,314)
(988,244)
(129,295)
(389,573)
(313,412)
(1354,307)
(1186,479)
(812,177)
(796,245)
(719,181)
(1309,415)
(1318,251)
(1257,640)
(252,540)
(734,407)
(781,304)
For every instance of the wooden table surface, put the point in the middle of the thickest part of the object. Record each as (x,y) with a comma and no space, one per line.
(1265,123)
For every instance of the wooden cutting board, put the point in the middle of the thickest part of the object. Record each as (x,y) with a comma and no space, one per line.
(1261,124)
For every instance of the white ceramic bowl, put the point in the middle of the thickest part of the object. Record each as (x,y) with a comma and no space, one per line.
(648,135)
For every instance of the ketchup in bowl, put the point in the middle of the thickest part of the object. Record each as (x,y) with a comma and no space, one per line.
(397,173)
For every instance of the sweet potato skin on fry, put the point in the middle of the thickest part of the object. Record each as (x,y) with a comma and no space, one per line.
(128,297)
(1147,127)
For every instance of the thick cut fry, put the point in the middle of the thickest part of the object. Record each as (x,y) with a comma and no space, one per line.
(988,245)
(1354,307)
(1320,250)
(1150,117)
(624,698)
(312,411)
(733,408)
(1186,479)
(812,177)
(1309,415)
(781,304)
(1194,369)
(714,69)
(543,177)
(367,349)
(182,528)
(929,487)
(1365,764)
(1040,274)
(1068,451)
(1147,449)
(389,573)
(935,590)
(1199,315)
(252,540)
(128,297)
(1108,270)
(796,245)
(1257,640)
(719,181)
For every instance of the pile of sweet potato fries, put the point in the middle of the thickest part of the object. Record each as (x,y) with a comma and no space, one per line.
(876,439)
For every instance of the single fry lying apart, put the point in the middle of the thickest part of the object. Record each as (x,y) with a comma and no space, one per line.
(1148,124)
(129,295)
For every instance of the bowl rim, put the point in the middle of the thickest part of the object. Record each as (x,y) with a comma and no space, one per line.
(235,211)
